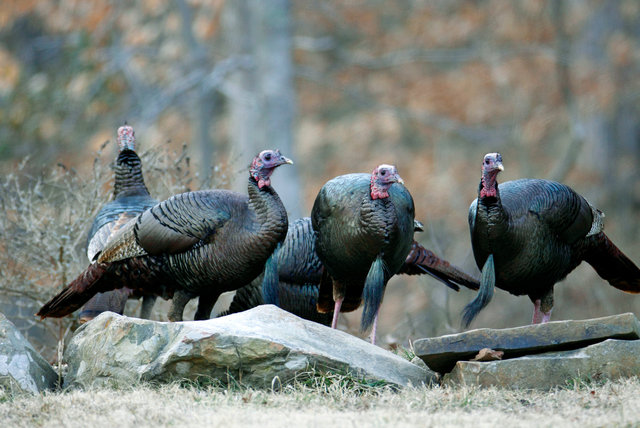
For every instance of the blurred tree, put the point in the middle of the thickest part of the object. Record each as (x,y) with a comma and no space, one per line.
(428,85)
(205,105)
(262,98)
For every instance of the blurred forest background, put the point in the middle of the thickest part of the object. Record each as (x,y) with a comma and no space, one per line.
(338,86)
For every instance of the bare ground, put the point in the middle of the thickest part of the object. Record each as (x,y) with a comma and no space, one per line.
(584,405)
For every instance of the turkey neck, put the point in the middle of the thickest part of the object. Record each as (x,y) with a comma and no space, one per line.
(490,210)
(270,212)
(128,175)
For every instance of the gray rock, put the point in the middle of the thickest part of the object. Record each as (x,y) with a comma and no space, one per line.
(441,353)
(418,362)
(252,347)
(611,359)
(19,310)
(22,368)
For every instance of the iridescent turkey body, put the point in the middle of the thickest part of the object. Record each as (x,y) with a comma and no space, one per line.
(529,234)
(196,244)
(362,240)
(536,231)
(222,251)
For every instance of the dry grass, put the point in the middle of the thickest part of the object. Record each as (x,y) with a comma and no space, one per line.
(609,404)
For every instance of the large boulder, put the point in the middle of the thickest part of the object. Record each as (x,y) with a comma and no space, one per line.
(22,368)
(610,359)
(442,353)
(251,347)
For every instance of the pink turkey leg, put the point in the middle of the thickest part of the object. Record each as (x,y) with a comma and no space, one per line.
(336,311)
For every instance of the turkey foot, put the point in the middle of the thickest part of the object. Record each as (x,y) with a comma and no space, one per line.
(540,317)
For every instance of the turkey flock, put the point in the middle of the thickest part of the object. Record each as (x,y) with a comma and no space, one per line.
(526,235)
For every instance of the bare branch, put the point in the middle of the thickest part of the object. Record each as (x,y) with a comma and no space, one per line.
(448,56)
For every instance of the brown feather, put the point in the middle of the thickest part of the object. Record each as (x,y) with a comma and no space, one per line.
(613,265)
(421,260)
(122,245)
(75,294)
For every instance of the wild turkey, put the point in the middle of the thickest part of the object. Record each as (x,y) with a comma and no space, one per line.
(130,198)
(364,231)
(195,244)
(300,272)
(529,234)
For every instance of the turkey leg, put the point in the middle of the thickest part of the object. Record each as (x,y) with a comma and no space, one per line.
(147,306)
(336,312)
(338,297)
(374,328)
(205,305)
(179,301)
(540,317)
(542,308)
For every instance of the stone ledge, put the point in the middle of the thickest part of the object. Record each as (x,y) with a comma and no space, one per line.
(442,353)
(608,360)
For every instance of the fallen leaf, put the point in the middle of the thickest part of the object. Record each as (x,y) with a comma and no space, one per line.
(487,354)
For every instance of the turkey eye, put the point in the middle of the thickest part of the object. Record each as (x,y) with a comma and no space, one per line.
(267,156)
(383,172)
(486,161)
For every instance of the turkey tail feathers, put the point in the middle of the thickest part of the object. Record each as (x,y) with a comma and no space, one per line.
(485,293)
(613,265)
(434,275)
(421,260)
(372,293)
(75,294)
(270,290)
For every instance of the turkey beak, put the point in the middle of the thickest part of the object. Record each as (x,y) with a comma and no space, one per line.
(286,160)
(499,166)
(400,180)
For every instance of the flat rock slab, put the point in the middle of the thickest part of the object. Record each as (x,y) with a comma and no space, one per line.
(442,353)
(22,368)
(251,347)
(611,359)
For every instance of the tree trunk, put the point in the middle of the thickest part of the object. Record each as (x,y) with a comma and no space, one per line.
(262,99)
(203,106)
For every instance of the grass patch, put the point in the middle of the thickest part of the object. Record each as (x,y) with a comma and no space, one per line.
(318,381)
(330,401)
(329,381)
(406,353)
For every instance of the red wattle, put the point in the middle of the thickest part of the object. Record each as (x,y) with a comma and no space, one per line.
(379,194)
